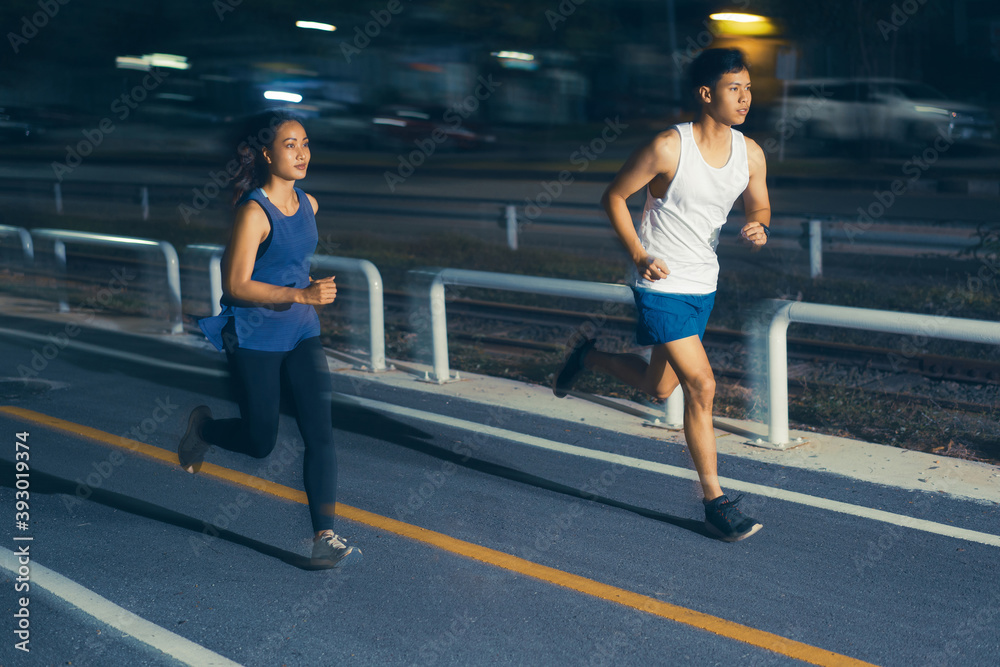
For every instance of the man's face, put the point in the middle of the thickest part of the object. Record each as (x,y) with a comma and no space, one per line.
(730,101)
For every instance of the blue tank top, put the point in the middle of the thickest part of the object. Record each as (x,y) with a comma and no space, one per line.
(284,262)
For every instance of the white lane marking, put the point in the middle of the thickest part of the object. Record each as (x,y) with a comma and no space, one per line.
(121,619)
(684,473)
(127,356)
(641,464)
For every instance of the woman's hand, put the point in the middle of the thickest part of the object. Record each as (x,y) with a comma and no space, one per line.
(320,292)
(652,268)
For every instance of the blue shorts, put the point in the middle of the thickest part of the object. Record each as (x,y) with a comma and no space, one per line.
(664,317)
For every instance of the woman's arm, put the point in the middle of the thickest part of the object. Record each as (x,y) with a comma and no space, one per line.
(249,230)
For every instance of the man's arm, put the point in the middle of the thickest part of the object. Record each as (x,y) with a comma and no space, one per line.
(755,200)
(657,158)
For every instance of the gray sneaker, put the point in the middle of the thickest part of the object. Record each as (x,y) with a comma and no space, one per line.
(191,450)
(329,550)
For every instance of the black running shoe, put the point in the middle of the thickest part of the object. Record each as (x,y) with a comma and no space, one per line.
(191,449)
(725,521)
(571,368)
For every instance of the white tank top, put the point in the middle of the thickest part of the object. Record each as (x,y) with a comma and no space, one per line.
(683,228)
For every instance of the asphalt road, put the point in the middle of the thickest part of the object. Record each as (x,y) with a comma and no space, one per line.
(219,567)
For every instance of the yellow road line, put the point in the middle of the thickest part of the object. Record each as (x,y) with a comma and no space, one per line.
(713,624)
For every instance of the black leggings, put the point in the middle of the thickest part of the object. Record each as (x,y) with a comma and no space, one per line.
(257,377)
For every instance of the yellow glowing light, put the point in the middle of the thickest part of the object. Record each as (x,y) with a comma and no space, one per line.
(314,25)
(749,25)
(736,17)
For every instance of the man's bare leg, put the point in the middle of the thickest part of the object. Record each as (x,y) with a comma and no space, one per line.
(654,377)
(684,362)
(681,361)
(688,359)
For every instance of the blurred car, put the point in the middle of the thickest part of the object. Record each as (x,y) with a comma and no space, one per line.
(398,126)
(18,124)
(876,109)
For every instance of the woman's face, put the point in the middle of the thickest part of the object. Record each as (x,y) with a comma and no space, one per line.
(288,155)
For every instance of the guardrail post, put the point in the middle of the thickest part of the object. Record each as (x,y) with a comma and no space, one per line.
(511,213)
(61,236)
(144,195)
(777,378)
(674,408)
(27,247)
(376,308)
(816,248)
(376,315)
(214,273)
(215,281)
(573,289)
(59,250)
(439,331)
(174,286)
(58,193)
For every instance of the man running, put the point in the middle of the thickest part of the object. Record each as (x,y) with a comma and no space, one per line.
(693,173)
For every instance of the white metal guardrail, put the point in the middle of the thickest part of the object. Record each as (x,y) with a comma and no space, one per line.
(214,272)
(573,289)
(813,230)
(933,326)
(27,246)
(60,237)
(376,308)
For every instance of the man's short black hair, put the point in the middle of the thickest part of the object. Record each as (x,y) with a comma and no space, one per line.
(711,64)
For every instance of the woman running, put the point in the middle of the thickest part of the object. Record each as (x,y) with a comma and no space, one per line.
(268,325)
